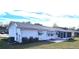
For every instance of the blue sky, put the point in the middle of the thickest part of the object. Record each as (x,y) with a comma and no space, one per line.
(64,13)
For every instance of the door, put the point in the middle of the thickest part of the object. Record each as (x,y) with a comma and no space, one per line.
(17,37)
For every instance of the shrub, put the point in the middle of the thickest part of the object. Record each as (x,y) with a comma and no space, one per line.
(31,39)
(36,39)
(5,39)
(11,39)
(52,39)
(25,40)
(71,39)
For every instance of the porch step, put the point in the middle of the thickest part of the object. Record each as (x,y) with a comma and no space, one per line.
(57,40)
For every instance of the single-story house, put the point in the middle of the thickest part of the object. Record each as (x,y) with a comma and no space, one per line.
(18,30)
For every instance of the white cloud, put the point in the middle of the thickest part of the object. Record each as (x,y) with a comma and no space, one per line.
(53,7)
(63,22)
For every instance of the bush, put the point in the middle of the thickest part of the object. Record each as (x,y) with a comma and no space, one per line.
(11,39)
(36,39)
(52,39)
(25,40)
(31,39)
(71,39)
(4,39)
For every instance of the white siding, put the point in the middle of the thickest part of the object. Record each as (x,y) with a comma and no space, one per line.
(12,31)
(45,36)
(34,33)
(29,33)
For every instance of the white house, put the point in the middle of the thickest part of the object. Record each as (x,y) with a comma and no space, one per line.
(18,30)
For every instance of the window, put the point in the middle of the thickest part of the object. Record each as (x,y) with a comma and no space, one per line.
(68,34)
(58,33)
(40,32)
(50,33)
(16,33)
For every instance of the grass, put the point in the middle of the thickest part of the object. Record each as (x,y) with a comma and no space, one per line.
(73,44)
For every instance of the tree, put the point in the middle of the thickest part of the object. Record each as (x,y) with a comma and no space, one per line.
(55,25)
(73,28)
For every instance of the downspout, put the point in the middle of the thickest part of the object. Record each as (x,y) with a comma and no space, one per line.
(73,34)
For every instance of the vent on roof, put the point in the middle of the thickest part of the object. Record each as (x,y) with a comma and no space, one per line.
(38,24)
(26,22)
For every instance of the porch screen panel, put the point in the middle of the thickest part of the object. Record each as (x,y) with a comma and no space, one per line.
(69,34)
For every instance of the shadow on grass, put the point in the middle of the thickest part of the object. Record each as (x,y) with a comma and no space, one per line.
(4,44)
(71,40)
(30,45)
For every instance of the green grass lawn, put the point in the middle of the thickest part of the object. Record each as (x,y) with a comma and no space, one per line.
(40,45)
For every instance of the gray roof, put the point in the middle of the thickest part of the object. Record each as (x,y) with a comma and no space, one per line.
(27,25)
